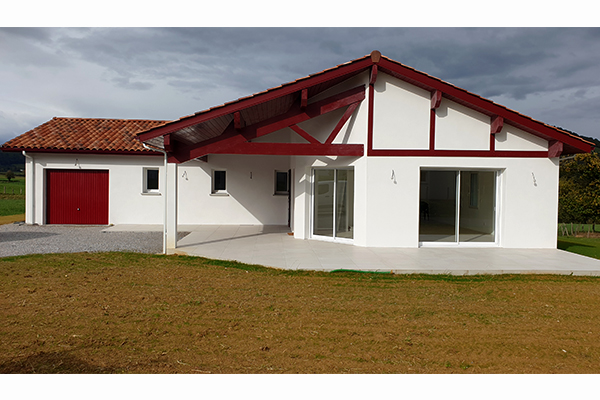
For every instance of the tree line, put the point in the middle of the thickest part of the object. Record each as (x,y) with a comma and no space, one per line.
(579,193)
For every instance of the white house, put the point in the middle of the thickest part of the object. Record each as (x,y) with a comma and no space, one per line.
(370,152)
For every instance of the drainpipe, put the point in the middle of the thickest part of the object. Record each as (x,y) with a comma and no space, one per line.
(165,194)
(31,189)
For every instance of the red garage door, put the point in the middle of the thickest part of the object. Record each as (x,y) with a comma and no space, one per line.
(76,197)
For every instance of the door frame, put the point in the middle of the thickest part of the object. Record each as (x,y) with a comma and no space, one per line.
(497,207)
(332,238)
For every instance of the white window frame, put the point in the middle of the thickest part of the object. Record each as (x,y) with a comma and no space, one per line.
(498,207)
(145,188)
(287,183)
(218,192)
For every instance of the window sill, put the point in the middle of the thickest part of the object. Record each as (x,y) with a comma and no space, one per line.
(220,194)
(281,194)
(151,193)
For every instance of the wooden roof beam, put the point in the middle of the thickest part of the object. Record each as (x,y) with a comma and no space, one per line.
(303,99)
(436,99)
(232,137)
(497,125)
(238,122)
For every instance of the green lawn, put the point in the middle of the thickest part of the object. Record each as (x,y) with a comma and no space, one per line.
(584,246)
(12,196)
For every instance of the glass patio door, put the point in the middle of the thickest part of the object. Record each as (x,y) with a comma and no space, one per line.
(333,203)
(457,207)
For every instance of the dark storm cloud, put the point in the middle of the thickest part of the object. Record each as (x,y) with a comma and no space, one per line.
(169,72)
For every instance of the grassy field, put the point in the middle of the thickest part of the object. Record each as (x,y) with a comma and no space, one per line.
(135,313)
(589,247)
(12,196)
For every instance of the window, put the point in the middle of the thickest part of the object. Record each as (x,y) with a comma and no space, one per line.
(219,182)
(281,183)
(150,180)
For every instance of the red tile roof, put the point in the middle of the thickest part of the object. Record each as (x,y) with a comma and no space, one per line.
(84,134)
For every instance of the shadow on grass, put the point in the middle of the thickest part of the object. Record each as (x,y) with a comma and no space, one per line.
(566,244)
(61,362)
(589,247)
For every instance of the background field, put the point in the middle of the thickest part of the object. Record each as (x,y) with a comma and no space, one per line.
(12,204)
(135,313)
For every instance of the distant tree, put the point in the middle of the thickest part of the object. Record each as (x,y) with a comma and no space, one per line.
(579,196)
(10,175)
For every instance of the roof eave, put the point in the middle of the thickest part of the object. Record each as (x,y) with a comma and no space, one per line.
(349,68)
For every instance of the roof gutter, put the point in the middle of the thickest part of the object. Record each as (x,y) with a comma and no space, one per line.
(165,193)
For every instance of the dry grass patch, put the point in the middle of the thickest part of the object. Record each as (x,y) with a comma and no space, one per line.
(10,219)
(123,312)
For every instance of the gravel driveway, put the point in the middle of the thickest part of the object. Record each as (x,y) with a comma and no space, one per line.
(19,239)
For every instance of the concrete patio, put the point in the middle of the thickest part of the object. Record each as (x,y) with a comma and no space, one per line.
(272,246)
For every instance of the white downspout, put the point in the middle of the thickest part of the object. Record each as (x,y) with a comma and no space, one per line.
(31,189)
(165,194)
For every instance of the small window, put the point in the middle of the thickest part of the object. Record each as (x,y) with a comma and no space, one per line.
(151,180)
(282,182)
(219,182)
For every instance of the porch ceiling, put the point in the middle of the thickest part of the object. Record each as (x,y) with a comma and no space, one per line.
(202,126)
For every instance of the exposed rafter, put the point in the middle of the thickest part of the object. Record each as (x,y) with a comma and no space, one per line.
(497,124)
(237,120)
(303,98)
(555,149)
(373,75)
(436,99)
(234,138)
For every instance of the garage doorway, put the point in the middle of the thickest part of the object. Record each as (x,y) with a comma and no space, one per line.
(77,197)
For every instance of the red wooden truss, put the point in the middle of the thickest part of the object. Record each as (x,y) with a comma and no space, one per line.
(236,139)
(230,134)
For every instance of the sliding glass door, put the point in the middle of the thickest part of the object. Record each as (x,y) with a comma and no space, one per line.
(457,206)
(333,203)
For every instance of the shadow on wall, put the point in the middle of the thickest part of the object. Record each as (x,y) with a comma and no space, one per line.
(255,193)
(250,182)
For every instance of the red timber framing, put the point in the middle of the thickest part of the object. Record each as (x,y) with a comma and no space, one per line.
(236,140)
(498,115)
(237,137)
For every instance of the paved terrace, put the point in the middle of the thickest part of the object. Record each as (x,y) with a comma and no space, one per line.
(272,246)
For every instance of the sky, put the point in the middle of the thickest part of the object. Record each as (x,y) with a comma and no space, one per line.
(549,73)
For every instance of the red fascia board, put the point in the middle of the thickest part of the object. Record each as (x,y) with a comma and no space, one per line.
(256,99)
(457,153)
(297,149)
(451,91)
(77,151)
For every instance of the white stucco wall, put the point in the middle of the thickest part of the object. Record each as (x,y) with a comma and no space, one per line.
(386,198)
(511,138)
(127,202)
(527,202)
(250,195)
(401,115)
(460,128)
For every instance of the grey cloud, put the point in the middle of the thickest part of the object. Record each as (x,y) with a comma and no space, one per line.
(127,84)
(210,66)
